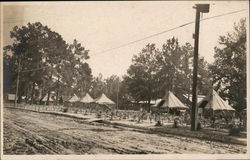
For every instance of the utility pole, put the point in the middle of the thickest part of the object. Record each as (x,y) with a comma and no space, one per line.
(117,95)
(17,82)
(200,8)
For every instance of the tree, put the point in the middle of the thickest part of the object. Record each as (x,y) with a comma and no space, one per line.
(124,95)
(141,79)
(81,76)
(47,63)
(204,82)
(175,68)
(186,75)
(171,62)
(54,50)
(7,76)
(229,68)
(35,46)
(154,72)
(98,86)
(112,87)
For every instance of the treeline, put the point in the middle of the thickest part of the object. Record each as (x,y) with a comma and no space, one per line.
(155,71)
(47,64)
(64,70)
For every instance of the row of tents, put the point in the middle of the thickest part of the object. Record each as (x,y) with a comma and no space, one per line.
(212,101)
(103,99)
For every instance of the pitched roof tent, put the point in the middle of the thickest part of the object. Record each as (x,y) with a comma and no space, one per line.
(86,99)
(11,97)
(103,99)
(215,102)
(73,99)
(171,101)
(46,97)
(157,101)
(65,98)
(199,97)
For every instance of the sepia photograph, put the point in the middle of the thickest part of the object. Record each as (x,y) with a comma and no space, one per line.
(124,79)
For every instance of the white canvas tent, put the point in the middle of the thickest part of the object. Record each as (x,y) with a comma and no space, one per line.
(103,99)
(73,99)
(171,101)
(65,98)
(157,101)
(11,97)
(86,99)
(46,98)
(199,97)
(215,102)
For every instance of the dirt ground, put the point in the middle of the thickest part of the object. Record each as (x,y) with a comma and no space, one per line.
(28,132)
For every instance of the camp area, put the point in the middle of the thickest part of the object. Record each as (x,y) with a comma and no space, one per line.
(213,111)
(167,115)
(125,77)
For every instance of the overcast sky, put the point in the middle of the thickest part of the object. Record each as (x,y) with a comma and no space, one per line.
(99,26)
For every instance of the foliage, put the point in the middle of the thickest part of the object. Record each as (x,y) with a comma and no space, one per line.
(229,68)
(175,72)
(44,59)
(98,86)
(112,87)
(82,74)
(142,74)
(49,65)
(154,71)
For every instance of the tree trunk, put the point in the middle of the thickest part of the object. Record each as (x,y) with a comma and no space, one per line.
(32,93)
(57,91)
(19,98)
(48,96)
(173,79)
(26,95)
(41,98)
(149,100)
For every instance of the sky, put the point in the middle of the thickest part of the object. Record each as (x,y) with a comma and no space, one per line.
(99,26)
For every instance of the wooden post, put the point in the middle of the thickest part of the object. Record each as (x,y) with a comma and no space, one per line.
(204,8)
(17,82)
(117,94)
(194,117)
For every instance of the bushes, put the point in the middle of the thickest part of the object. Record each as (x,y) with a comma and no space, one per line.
(233,130)
(85,113)
(65,110)
(199,126)
(99,115)
(176,123)
(158,123)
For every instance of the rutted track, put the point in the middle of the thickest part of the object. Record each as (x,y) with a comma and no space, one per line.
(28,132)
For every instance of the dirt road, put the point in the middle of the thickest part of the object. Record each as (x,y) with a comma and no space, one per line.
(28,132)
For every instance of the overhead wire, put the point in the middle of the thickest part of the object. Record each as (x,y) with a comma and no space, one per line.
(165,31)
(150,36)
